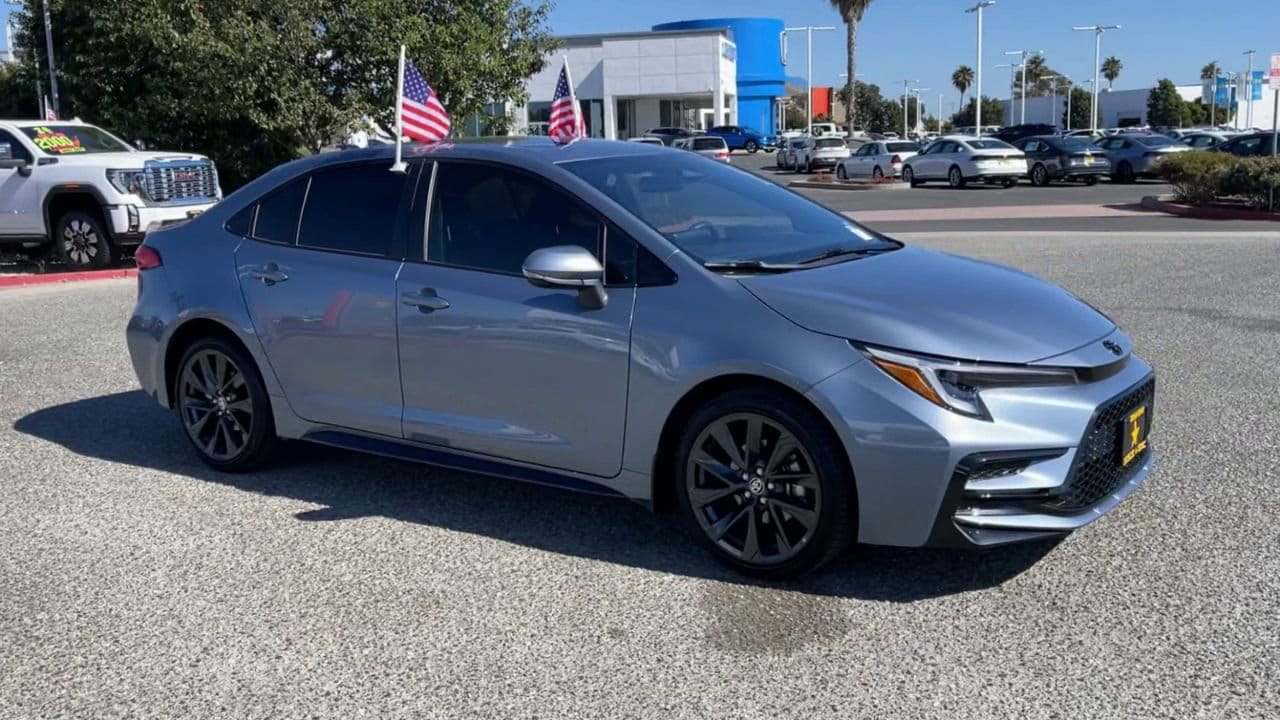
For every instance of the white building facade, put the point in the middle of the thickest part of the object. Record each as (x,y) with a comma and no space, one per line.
(1123,108)
(627,83)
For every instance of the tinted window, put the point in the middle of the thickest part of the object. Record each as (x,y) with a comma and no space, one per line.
(1073,144)
(894,147)
(717,213)
(352,209)
(830,143)
(1247,146)
(242,222)
(1154,140)
(278,213)
(490,218)
(989,144)
(709,143)
(16,149)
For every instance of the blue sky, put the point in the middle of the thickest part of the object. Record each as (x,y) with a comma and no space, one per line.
(926,39)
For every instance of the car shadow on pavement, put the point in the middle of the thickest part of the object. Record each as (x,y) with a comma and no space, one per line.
(128,428)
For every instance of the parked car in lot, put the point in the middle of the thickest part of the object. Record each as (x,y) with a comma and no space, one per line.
(1053,157)
(789,154)
(737,137)
(1014,133)
(1091,135)
(958,160)
(877,159)
(1253,144)
(574,315)
(85,194)
(1204,140)
(706,146)
(647,139)
(1134,155)
(825,130)
(668,135)
(821,153)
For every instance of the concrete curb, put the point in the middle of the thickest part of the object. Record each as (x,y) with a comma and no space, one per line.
(1165,204)
(9,281)
(847,185)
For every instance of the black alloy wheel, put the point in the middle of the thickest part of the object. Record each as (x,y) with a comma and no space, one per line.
(222,403)
(1039,175)
(752,147)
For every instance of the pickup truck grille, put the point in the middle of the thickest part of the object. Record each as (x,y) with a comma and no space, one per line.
(181,181)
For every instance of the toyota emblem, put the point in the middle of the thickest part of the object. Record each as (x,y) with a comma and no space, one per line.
(1114,347)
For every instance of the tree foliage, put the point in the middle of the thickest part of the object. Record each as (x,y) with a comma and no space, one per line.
(254,83)
(1081,99)
(1210,71)
(1164,105)
(962,80)
(1111,68)
(17,96)
(1040,78)
(992,113)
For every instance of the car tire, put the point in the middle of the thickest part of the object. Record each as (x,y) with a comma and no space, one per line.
(1091,180)
(955,178)
(1039,175)
(752,147)
(81,241)
(1009,182)
(796,525)
(218,384)
(1124,173)
(909,176)
(840,173)
(877,173)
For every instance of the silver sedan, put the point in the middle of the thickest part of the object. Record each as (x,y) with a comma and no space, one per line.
(877,159)
(638,322)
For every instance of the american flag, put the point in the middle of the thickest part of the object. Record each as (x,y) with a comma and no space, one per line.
(421,115)
(566,121)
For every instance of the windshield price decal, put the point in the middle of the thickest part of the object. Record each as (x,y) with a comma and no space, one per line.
(56,141)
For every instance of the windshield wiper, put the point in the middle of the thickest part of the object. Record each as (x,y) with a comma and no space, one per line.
(751,266)
(842,252)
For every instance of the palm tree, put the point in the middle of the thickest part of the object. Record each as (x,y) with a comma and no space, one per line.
(851,12)
(1210,71)
(1035,69)
(1111,68)
(962,78)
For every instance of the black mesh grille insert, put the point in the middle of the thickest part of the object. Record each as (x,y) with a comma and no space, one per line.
(1097,471)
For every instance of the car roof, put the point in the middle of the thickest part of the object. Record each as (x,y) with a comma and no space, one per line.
(40,123)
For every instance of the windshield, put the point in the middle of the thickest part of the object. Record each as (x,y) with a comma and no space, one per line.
(829,143)
(988,145)
(717,213)
(902,147)
(73,139)
(1154,140)
(709,143)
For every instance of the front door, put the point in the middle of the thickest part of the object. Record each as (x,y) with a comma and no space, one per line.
(318,275)
(21,212)
(491,364)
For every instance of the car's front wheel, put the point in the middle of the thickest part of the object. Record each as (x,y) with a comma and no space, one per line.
(840,173)
(955,178)
(222,402)
(752,147)
(909,177)
(82,242)
(765,483)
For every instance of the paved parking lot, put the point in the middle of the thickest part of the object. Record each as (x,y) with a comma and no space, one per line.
(136,583)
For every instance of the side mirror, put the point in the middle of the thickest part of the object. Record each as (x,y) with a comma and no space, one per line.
(568,266)
(9,162)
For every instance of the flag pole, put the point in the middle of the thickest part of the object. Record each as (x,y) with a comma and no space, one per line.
(399,166)
(581,126)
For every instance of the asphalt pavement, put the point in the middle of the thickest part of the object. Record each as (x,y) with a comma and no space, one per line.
(134,582)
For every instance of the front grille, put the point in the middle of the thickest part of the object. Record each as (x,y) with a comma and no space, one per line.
(1097,471)
(181,181)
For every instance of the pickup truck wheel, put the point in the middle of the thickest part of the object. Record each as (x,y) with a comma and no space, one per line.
(81,241)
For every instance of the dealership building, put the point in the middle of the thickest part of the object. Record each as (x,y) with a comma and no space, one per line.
(693,73)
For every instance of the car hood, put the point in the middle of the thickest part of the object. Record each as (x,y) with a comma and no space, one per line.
(934,303)
(130,158)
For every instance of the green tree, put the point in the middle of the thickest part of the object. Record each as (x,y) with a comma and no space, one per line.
(851,11)
(992,112)
(17,97)
(962,79)
(1164,105)
(1081,99)
(1210,71)
(1111,68)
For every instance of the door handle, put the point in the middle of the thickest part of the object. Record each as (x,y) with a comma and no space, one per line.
(426,300)
(269,274)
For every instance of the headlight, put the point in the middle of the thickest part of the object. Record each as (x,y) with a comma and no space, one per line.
(957,385)
(129,182)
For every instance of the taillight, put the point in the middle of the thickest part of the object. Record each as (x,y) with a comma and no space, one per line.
(895,160)
(146,257)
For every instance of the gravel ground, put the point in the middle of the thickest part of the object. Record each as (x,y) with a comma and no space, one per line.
(136,583)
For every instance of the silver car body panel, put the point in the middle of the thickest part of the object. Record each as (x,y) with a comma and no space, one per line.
(516,380)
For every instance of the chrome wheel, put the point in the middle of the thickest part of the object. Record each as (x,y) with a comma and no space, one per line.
(215,405)
(80,242)
(754,488)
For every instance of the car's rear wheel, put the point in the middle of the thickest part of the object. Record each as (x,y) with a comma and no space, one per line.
(1124,173)
(955,178)
(877,173)
(763,481)
(222,403)
(82,242)
(840,173)
(752,147)
(909,176)
(1039,175)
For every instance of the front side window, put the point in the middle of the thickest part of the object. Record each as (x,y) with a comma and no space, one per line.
(16,149)
(1155,140)
(62,139)
(490,218)
(277,219)
(716,213)
(352,209)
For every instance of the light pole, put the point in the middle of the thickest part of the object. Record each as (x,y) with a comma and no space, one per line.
(1213,97)
(1053,102)
(1070,92)
(1249,87)
(939,113)
(1022,57)
(809,77)
(1097,31)
(977,103)
(905,92)
(919,111)
(1013,80)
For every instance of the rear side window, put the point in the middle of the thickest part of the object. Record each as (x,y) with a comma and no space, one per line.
(278,214)
(242,222)
(352,209)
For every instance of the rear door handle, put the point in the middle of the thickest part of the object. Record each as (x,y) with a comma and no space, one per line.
(269,274)
(426,300)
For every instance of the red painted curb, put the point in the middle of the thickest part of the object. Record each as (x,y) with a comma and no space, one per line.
(1153,202)
(24,280)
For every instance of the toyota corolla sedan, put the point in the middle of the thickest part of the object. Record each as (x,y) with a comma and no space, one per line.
(635,321)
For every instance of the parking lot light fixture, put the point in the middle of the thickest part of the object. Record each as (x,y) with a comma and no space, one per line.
(1097,31)
(809,29)
(977,103)
(906,91)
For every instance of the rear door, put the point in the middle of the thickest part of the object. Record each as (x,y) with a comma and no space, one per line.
(493,365)
(318,274)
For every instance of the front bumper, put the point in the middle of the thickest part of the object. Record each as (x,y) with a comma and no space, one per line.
(130,222)
(909,459)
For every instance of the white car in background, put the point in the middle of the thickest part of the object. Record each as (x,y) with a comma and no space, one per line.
(959,160)
(790,151)
(877,159)
(825,130)
(821,152)
(708,146)
(646,140)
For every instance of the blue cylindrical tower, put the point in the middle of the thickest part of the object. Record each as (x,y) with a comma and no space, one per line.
(761,78)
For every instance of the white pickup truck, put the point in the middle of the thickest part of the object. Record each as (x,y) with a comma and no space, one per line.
(85,194)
